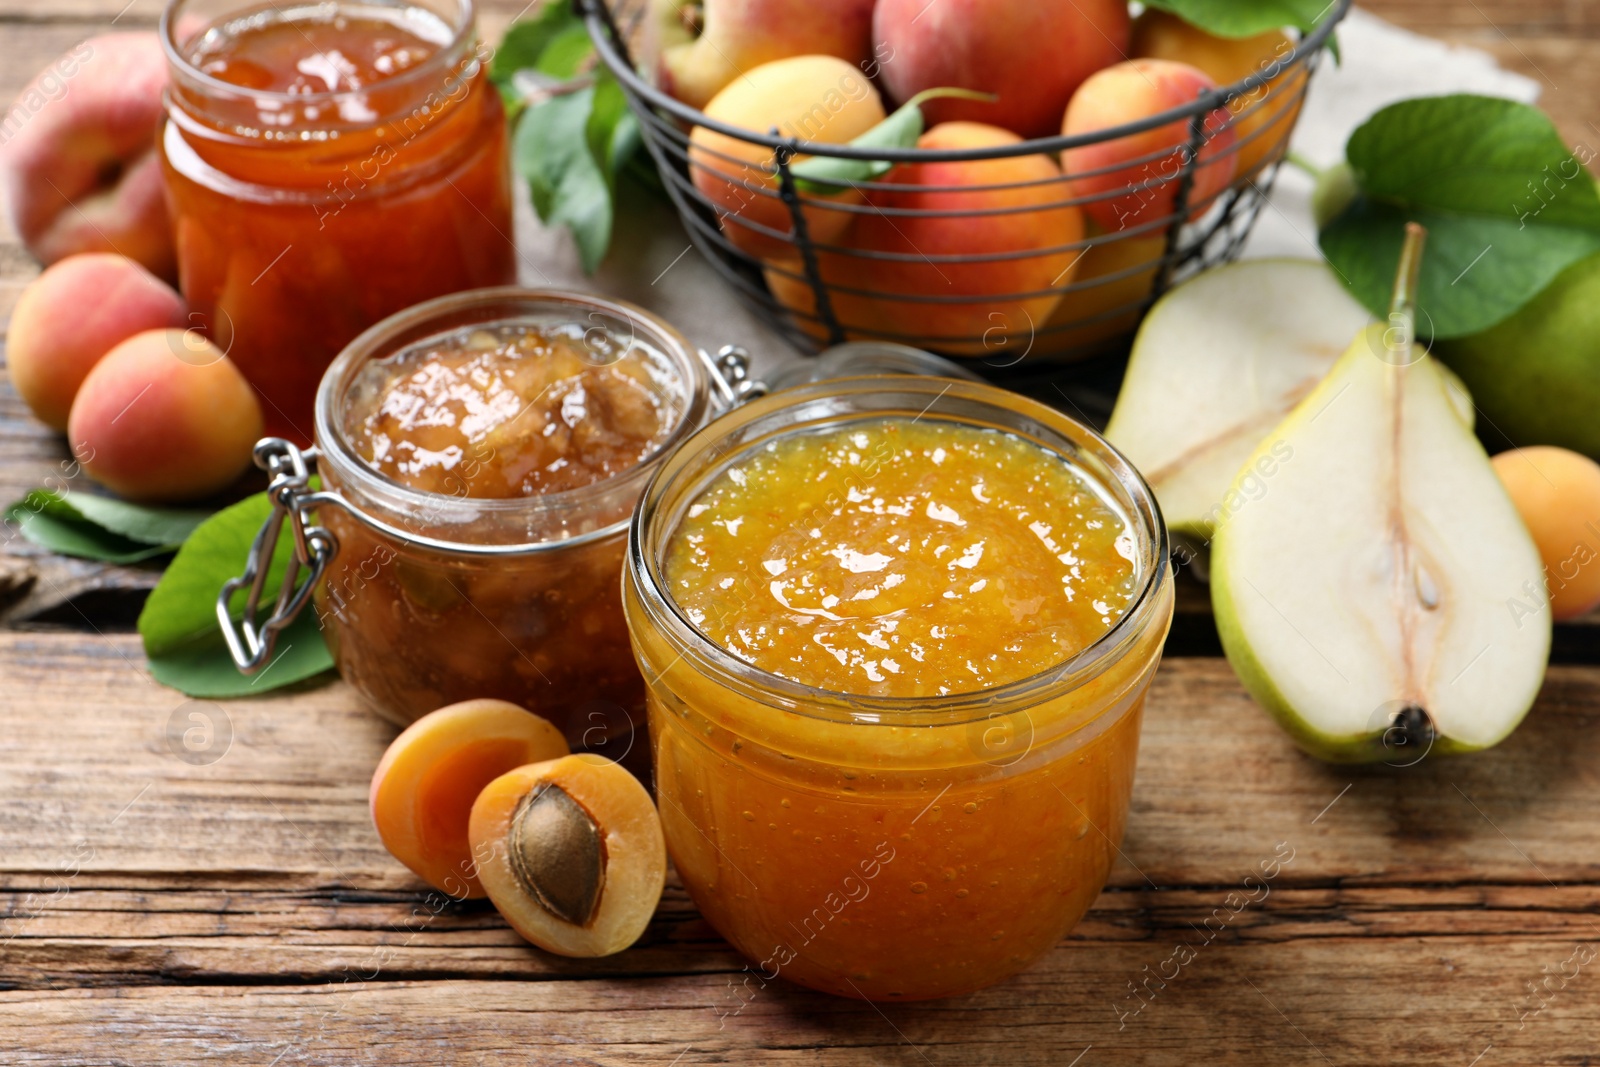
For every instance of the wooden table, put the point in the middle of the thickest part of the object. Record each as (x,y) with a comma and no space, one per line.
(154,911)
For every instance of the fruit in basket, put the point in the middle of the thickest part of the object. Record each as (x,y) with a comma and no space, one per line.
(1218,362)
(1263,117)
(979,306)
(1031,54)
(79,164)
(1537,374)
(1116,279)
(572,854)
(1557,493)
(1368,595)
(702,45)
(79,309)
(425,785)
(164,417)
(1147,165)
(814,98)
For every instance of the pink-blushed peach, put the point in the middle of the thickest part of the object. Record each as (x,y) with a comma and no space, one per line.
(78,158)
(1021,251)
(702,45)
(165,417)
(1032,54)
(70,316)
(1263,117)
(814,98)
(1150,164)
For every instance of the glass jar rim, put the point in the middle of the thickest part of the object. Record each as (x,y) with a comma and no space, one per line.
(1137,501)
(448,54)
(415,324)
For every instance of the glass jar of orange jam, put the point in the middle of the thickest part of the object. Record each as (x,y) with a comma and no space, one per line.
(480,456)
(897,634)
(327,165)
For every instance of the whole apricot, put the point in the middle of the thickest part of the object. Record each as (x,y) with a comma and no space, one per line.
(1111,288)
(74,313)
(164,417)
(1557,493)
(813,98)
(1031,54)
(1263,117)
(78,156)
(963,257)
(1135,179)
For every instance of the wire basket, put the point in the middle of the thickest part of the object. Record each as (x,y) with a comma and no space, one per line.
(830,261)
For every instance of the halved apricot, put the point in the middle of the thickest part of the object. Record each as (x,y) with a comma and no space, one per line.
(425,785)
(571,852)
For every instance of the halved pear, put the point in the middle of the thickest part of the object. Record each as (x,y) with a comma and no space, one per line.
(1218,362)
(1378,590)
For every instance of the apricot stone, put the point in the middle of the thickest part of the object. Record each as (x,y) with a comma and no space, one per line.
(813,98)
(1557,493)
(1263,117)
(1032,54)
(1147,165)
(164,417)
(70,316)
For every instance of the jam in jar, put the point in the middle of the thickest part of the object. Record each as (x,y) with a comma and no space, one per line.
(328,165)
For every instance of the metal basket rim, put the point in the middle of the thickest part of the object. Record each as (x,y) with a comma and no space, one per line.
(597,20)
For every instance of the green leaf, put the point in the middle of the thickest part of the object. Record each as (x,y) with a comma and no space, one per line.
(553,42)
(179,620)
(101,528)
(570,148)
(1245,18)
(1506,204)
(208,670)
(828,174)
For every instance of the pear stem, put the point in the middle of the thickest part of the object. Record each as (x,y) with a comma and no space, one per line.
(1402,330)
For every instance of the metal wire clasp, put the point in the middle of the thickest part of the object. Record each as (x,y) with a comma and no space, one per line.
(730,376)
(251,643)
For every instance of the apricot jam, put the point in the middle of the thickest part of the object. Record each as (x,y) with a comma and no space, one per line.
(326,166)
(897,636)
(486,450)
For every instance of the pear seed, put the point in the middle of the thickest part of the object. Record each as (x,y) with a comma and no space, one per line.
(557,853)
(1427,588)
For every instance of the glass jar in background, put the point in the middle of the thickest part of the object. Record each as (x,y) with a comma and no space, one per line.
(892,848)
(328,165)
(429,598)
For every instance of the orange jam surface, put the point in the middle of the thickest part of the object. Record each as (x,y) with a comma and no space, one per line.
(902,558)
(328,50)
(509,411)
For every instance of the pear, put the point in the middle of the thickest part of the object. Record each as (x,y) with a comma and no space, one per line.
(1538,373)
(1219,361)
(1378,593)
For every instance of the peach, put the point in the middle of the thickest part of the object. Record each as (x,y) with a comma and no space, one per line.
(1152,160)
(430,776)
(814,98)
(988,307)
(78,156)
(702,45)
(74,313)
(1032,54)
(164,417)
(1263,117)
(1111,290)
(1557,493)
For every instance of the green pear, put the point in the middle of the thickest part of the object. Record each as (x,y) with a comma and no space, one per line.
(1218,362)
(1537,374)
(1378,592)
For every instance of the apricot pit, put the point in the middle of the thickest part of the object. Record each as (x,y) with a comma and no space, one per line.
(571,852)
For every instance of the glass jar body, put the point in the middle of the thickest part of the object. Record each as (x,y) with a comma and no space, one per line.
(299,224)
(893,850)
